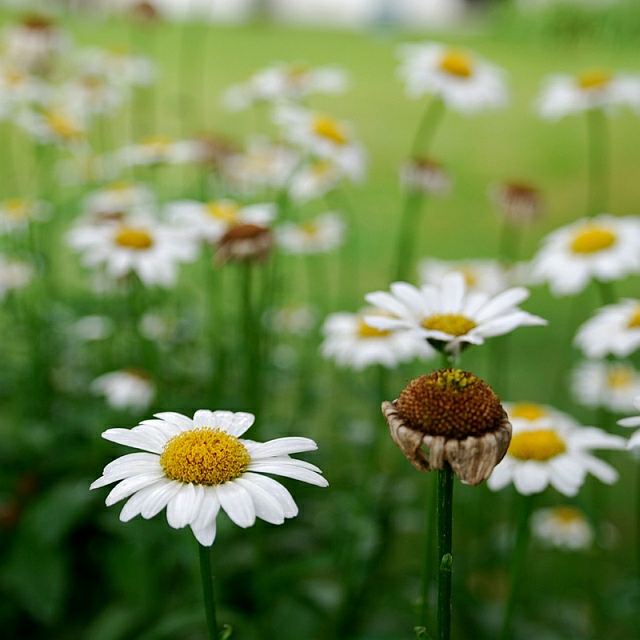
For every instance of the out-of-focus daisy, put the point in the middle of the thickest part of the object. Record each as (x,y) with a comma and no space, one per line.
(487,276)
(93,92)
(605,248)
(318,235)
(448,315)
(119,64)
(564,94)
(614,329)
(157,150)
(517,202)
(564,527)
(296,319)
(209,221)
(19,89)
(194,467)
(323,137)
(463,80)
(17,213)
(553,449)
(14,274)
(128,389)
(424,174)
(351,341)
(117,199)
(92,328)
(136,245)
(284,82)
(611,385)
(634,421)
(245,242)
(314,179)
(60,124)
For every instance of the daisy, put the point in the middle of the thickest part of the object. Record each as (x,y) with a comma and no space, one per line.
(318,235)
(117,199)
(157,150)
(487,276)
(611,385)
(59,123)
(17,213)
(614,329)
(323,137)
(351,341)
(461,79)
(127,389)
(284,82)
(564,527)
(93,93)
(14,274)
(449,316)
(605,248)
(120,65)
(564,94)
(553,449)
(314,179)
(294,319)
(518,203)
(424,174)
(193,467)
(634,421)
(19,89)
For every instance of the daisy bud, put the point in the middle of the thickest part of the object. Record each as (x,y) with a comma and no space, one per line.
(423,174)
(518,203)
(244,243)
(457,418)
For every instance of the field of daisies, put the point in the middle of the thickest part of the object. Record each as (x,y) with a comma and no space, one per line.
(317,335)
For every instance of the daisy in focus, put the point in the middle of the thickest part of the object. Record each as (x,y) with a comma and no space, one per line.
(611,385)
(318,235)
(549,447)
(129,389)
(634,421)
(449,316)
(352,342)
(566,528)
(464,81)
(614,329)
(603,248)
(563,94)
(195,467)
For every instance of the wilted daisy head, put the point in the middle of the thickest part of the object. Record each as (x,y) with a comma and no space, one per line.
(425,174)
(517,202)
(195,466)
(456,417)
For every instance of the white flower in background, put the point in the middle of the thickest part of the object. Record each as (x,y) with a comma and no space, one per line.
(611,385)
(565,527)
(563,94)
(318,235)
(552,449)
(323,137)
(19,89)
(116,200)
(614,329)
(157,150)
(351,341)
(634,421)
(91,328)
(424,174)
(314,179)
(209,221)
(136,245)
(487,276)
(61,124)
(194,467)
(14,274)
(296,319)
(604,248)
(461,79)
(128,389)
(448,315)
(92,93)
(17,213)
(285,82)
(120,65)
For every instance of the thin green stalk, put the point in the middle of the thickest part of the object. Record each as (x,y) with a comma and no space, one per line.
(598,159)
(637,523)
(427,127)
(429,532)
(517,563)
(444,534)
(208,590)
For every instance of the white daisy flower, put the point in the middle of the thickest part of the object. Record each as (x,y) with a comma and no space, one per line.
(120,65)
(564,527)
(614,329)
(448,315)
(93,93)
(157,150)
(17,213)
(462,80)
(633,421)
(351,341)
(555,450)
(323,137)
(295,319)
(209,221)
(90,328)
(564,94)
(128,389)
(135,245)
(14,274)
(284,82)
(318,235)
(61,124)
(193,467)
(487,276)
(314,179)
(19,89)
(117,199)
(611,385)
(605,248)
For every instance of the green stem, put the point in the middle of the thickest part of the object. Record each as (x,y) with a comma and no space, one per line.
(607,292)
(444,535)
(428,551)
(517,563)
(598,159)
(208,591)
(427,127)
(638,520)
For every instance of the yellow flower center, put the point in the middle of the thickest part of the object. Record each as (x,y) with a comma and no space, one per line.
(62,126)
(592,239)
(619,377)
(457,63)
(204,456)
(330,129)
(567,515)
(131,238)
(310,228)
(540,445)
(16,208)
(594,79)
(634,323)
(226,211)
(451,323)
(158,145)
(92,81)
(527,410)
(367,331)
(322,168)
(14,77)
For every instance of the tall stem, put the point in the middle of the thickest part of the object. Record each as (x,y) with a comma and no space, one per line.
(208,591)
(443,532)
(428,551)
(598,159)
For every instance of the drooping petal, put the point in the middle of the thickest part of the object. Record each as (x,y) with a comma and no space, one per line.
(237,503)
(265,505)
(181,509)
(278,491)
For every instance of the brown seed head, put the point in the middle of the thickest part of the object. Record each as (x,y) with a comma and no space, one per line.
(244,242)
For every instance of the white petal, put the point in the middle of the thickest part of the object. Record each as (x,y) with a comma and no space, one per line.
(502,302)
(265,505)
(283,446)
(205,535)
(128,486)
(181,508)
(278,491)
(126,466)
(137,502)
(530,477)
(296,471)
(237,504)
(140,437)
(241,422)
(208,509)
(159,498)
(177,419)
